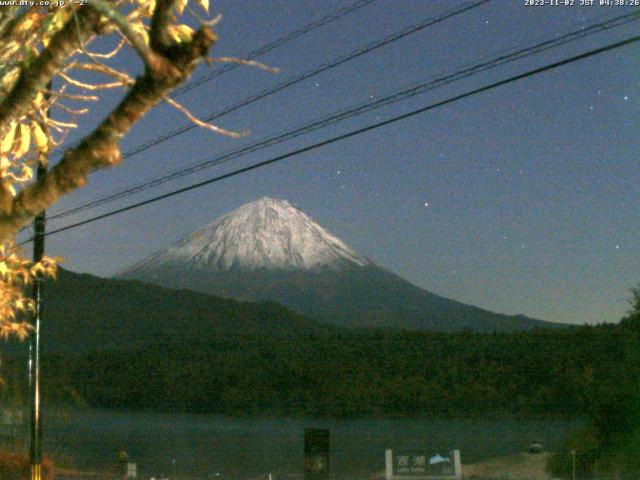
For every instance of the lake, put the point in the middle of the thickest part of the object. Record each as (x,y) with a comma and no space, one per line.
(202,445)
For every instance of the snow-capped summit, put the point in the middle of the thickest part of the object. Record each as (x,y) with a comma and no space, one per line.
(267,233)
(270,250)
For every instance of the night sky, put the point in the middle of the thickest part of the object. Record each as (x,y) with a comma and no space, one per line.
(525,199)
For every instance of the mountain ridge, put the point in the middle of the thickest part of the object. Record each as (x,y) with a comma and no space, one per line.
(274,234)
(84,313)
(277,252)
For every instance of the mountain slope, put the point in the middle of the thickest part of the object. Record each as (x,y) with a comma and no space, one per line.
(268,233)
(270,250)
(83,312)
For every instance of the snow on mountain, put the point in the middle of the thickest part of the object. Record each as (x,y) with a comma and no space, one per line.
(269,250)
(264,234)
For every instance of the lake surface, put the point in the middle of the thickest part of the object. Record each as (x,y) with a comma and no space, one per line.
(202,445)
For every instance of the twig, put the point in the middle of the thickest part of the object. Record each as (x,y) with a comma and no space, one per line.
(91,86)
(202,124)
(57,123)
(201,20)
(135,39)
(250,63)
(69,96)
(110,54)
(71,111)
(34,77)
(102,68)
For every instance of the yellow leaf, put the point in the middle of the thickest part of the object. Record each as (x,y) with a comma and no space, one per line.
(3,269)
(21,144)
(204,4)
(37,270)
(25,176)
(25,26)
(60,18)
(38,101)
(40,138)
(7,141)
(147,7)
(180,4)
(181,33)
(141,30)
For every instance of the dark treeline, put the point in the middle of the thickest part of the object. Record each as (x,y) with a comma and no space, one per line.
(607,447)
(591,373)
(568,372)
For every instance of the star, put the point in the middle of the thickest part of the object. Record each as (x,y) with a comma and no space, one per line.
(617,247)
(626,98)
(426,204)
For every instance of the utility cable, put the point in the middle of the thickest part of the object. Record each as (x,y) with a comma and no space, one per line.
(403,94)
(310,74)
(352,133)
(275,44)
(327,19)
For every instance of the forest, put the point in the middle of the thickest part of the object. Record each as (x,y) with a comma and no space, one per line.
(591,373)
(560,373)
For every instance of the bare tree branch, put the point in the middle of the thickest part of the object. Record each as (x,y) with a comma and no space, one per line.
(201,124)
(159,37)
(110,54)
(249,63)
(68,96)
(103,69)
(100,149)
(147,54)
(91,86)
(36,76)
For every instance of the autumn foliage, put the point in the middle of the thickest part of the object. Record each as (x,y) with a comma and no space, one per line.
(15,466)
(51,73)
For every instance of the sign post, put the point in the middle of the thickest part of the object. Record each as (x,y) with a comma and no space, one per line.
(316,454)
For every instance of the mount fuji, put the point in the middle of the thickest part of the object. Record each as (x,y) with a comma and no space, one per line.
(271,250)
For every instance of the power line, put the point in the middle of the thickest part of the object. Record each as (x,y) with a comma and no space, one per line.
(403,94)
(304,76)
(327,19)
(310,73)
(350,134)
(275,44)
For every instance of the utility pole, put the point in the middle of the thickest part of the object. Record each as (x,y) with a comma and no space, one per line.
(573,455)
(35,427)
(35,423)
